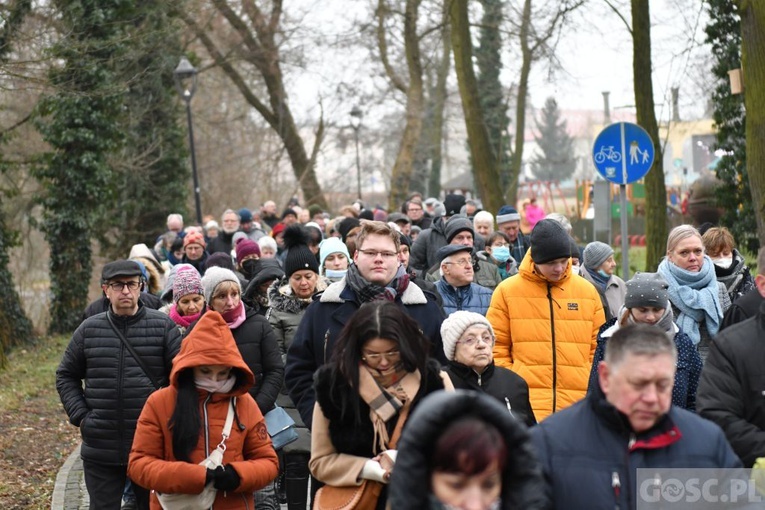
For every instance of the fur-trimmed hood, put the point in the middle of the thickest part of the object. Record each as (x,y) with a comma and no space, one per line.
(281,297)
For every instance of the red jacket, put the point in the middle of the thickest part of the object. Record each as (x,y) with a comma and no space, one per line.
(250,452)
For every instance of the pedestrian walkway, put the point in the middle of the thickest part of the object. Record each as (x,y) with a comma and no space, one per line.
(69,492)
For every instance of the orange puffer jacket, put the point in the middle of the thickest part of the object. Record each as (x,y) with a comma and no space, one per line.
(248,450)
(546,332)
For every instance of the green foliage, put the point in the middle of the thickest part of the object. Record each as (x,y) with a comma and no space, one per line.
(116,162)
(493,102)
(733,195)
(556,162)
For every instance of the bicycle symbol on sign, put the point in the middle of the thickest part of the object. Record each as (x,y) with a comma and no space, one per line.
(607,152)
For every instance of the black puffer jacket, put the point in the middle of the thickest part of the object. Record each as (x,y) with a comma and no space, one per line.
(509,388)
(522,483)
(116,386)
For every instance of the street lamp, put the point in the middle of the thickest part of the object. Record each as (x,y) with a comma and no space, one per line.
(186,83)
(356,115)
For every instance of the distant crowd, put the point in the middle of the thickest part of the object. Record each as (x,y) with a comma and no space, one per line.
(439,356)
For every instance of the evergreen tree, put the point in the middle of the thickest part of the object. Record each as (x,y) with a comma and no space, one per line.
(733,195)
(492,96)
(556,162)
(15,327)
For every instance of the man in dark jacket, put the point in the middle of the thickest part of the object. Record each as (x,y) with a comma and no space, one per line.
(376,273)
(115,384)
(456,287)
(731,389)
(749,304)
(229,226)
(590,452)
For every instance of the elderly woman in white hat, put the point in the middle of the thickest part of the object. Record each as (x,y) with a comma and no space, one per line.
(468,340)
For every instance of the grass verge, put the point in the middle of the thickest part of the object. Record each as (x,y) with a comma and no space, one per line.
(35,435)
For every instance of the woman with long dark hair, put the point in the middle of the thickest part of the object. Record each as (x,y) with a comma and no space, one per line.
(180,425)
(378,374)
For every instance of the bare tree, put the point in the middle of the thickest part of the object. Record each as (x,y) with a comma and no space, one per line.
(537,31)
(253,49)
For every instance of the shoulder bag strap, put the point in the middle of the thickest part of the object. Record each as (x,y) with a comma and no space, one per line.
(402,416)
(229,422)
(133,352)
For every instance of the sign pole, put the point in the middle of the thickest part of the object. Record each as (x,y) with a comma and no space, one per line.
(625,237)
(623,207)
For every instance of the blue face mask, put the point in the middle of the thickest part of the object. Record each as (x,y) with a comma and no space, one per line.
(501,253)
(603,274)
(335,273)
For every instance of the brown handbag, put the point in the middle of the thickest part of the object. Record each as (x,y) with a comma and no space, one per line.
(361,497)
(357,497)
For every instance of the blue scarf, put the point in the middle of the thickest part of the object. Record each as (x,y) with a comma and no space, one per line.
(696,295)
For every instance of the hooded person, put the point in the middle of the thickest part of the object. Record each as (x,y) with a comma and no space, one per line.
(546,321)
(264,272)
(646,302)
(178,422)
(465,433)
(155,270)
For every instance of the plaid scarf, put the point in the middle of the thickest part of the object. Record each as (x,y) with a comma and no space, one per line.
(385,403)
(367,291)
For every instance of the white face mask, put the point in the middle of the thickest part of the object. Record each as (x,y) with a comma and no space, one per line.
(575,269)
(213,386)
(723,262)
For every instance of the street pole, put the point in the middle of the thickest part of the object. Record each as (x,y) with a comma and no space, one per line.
(358,165)
(197,202)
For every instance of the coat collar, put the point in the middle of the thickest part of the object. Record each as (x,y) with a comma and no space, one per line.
(340,292)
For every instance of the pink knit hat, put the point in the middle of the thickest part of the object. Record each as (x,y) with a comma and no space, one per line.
(187,281)
(246,247)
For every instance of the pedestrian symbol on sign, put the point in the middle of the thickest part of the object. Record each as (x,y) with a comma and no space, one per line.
(623,153)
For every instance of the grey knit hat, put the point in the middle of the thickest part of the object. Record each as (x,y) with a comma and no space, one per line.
(456,224)
(455,325)
(213,277)
(646,289)
(596,253)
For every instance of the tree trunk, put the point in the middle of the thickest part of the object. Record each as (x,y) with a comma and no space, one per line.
(438,99)
(753,64)
(485,164)
(655,189)
(511,193)
(401,174)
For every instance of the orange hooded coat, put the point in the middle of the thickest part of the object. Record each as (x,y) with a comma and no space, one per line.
(250,452)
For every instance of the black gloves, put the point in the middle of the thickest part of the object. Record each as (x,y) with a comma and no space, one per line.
(225,478)
(210,476)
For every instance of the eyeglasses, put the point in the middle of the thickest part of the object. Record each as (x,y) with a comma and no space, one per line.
(415,209)
(376,357)
(374,253)
(461,262)
(473,340)
(119,286)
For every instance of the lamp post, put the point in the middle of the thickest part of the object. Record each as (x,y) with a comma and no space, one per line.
(356,115)
(186,83)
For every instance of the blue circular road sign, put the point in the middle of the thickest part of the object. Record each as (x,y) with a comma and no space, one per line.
(623,153)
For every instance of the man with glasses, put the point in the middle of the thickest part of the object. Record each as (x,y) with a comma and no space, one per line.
(456,285)
(116,386)
(416,213)
(376,273)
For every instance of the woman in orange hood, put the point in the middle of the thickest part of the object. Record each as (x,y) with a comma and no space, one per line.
(180,425)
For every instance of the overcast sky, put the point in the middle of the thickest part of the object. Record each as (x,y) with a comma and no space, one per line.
(595,54)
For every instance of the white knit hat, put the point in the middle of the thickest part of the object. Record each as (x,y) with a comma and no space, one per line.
(213,277)
(455,325)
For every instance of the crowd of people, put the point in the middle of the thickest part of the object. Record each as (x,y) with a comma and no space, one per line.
(434,357)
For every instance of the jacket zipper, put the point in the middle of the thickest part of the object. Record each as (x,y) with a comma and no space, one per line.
(616,485)
(326,339)
(120,387)
(554,352)
(207,425)
(509,407)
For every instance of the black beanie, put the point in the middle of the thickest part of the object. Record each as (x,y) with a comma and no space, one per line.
(457,224)
(299,256)
(549,241)
(346,225)
(453,203)
(405,240)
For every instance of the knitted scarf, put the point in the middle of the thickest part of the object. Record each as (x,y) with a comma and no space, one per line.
(598,279)
(367,291)
(183,321)
(386,403)
(666,323)
(696,295)
(234,318)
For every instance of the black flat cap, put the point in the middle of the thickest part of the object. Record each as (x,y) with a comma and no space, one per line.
(451,249)
(120,268)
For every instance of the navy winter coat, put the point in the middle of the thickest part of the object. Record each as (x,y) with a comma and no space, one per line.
(321,325)
(590,455)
